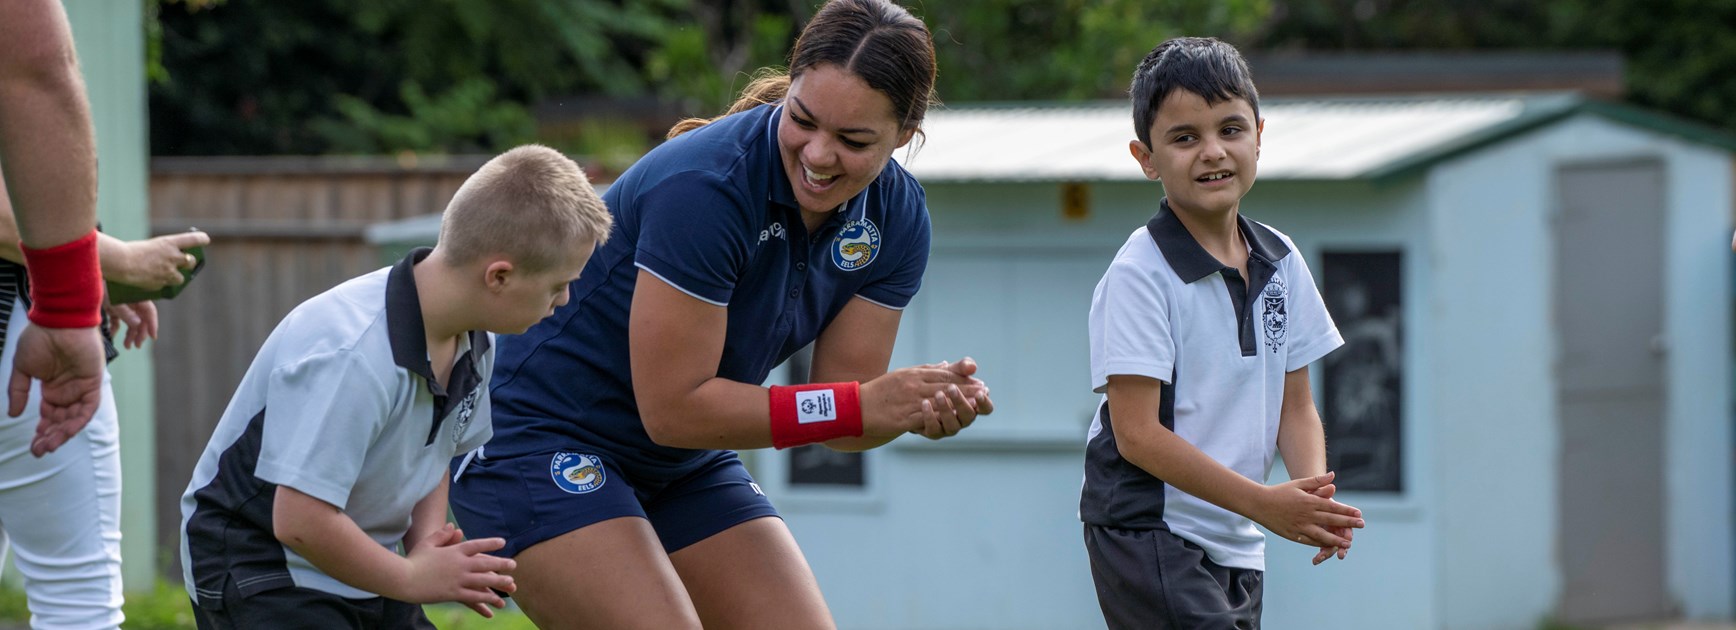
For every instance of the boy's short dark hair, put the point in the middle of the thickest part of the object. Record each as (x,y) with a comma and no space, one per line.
(1203,65)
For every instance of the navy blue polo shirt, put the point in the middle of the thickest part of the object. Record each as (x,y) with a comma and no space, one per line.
(712,213)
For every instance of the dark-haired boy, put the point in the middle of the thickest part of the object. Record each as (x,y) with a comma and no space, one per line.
(1201,333)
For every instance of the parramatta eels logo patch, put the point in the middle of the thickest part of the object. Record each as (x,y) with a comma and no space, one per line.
(856,245)
(576,472)
(1277,316)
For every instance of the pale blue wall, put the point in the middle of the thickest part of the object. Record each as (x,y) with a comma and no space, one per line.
(109,36)
(1500,445)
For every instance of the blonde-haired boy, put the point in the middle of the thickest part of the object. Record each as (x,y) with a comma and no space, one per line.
(334,449)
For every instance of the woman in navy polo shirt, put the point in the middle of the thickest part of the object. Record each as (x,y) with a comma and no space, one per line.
(738,242)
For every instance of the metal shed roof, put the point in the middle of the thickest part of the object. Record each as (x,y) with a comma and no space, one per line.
(1305,139)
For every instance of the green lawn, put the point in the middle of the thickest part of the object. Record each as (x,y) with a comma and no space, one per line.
(167,608)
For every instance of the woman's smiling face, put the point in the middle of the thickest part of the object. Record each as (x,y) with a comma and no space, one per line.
(835,136)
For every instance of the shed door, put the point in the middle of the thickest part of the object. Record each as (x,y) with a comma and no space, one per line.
(1608,315)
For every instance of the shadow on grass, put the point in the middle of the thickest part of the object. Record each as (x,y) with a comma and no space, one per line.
(166,608)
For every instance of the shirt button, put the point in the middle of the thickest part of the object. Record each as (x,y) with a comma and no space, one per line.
(795,293)
(801,266)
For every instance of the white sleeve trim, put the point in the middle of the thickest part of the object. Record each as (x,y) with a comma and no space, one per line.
(879,304)
(678,287)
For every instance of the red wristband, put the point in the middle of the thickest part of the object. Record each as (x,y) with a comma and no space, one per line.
(805,414)
(65,284)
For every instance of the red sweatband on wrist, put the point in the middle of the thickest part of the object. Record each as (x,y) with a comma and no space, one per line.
(65,284)
(805,414)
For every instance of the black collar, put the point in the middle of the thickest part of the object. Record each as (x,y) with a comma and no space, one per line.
(1190,261)
(409,338)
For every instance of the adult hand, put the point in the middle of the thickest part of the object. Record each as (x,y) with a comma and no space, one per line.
(956,407)
(907,400)
(156,262)
(1292,511)
(141,321)
(446,568)
(69,362)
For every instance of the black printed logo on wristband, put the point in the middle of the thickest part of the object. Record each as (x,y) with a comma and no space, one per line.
(818,405)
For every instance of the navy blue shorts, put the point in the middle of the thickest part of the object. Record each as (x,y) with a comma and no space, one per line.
(528,499)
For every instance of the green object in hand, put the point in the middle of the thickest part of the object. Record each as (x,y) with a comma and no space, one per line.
(126,294)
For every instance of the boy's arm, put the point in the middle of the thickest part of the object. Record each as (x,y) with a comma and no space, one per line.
(429,514)
(434,571)
(1301,438)
(1289,509)
(1302,444)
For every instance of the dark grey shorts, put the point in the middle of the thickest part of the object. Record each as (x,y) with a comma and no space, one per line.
(1155,579)
(297,608)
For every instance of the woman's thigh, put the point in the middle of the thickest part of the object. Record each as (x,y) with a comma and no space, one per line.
(611,574)
(752,575)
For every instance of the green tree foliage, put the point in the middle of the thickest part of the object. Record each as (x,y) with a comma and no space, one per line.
(323,76)
(1678,52)
(318,76)
(1065,49)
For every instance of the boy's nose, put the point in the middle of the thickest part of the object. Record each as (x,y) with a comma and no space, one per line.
(1212,151)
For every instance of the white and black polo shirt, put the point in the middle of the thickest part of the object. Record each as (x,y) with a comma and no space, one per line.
(341,404)
(1221,344)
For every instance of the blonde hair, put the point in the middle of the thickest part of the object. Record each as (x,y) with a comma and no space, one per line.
(530,204)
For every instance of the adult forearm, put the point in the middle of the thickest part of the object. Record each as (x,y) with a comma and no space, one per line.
(45,131)
(718,414)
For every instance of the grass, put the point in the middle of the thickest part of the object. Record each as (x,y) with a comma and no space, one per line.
(166,608)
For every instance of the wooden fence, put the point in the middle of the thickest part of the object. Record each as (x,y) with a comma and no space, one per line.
(282,230)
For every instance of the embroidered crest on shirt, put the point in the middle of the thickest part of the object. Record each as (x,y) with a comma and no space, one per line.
(466,408)
(856,245)
(1276,316)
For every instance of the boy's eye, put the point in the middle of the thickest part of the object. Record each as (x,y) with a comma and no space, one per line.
(1230,131)
(1186,137)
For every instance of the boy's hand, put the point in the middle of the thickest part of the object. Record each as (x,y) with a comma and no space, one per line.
(446,568)
(1347,533)
(1293,511)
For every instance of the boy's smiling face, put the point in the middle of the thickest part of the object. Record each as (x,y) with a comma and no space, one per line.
(1205,154)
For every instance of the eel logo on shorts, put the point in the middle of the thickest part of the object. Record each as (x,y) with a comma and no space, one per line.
(1277,316)
(576,472)
(856,245)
